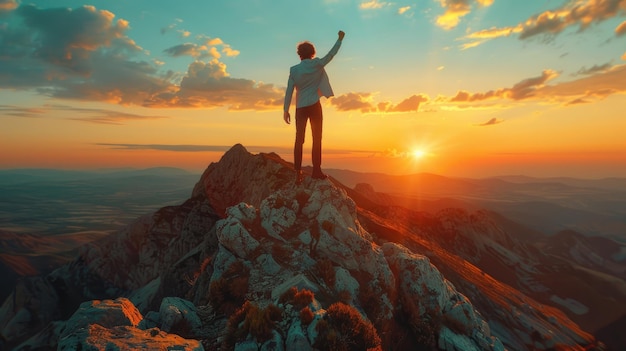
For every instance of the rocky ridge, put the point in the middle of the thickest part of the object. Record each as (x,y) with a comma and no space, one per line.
(251,261)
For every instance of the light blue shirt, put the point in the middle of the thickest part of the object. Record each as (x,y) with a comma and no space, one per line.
(310,80)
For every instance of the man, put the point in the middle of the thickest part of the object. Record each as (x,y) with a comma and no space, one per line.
(311,82)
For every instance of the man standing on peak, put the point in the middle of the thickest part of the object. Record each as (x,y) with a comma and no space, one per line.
(311,82)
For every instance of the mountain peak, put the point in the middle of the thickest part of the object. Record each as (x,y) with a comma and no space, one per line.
(253,260)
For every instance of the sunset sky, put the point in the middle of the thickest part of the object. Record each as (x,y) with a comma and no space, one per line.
(454,87)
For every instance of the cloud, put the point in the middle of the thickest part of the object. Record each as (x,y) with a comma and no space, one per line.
(587,89)
(522,90)
(161,147)
(455,9)
(620,29)
(372,4)
(207,84)
(598,83)
(16,111)
(90,57)
(221,148)
(193,50)
(100,116)
(8,5)
(403,10)
(364,102)
(354,101)
(581,13)
(595,69)
(490,122)
(409,104)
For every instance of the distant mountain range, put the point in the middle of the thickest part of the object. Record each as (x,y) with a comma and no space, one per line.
(248,260)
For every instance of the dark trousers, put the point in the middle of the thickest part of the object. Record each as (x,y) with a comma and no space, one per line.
(311,113)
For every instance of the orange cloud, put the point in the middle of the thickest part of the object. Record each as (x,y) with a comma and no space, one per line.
(620,29)
(409,104)
(455,9)
(490,122)
(8,5)
(372,4)
(581,13)
(600,82)
(354,102)
(364,102)
(522,90)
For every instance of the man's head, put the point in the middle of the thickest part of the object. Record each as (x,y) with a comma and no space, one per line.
(306,50)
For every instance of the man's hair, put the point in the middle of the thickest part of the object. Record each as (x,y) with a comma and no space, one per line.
(306,50)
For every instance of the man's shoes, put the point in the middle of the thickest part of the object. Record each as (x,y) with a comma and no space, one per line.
(317,174)
(299,177)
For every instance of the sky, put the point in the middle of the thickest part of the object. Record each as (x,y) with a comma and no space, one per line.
(467,88)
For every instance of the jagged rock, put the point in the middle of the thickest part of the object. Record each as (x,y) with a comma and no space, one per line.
(450,341)
(345,282)
(277,216)
(273,344)
(268,264)
(150,320)
(296,339)
(96,337)
(106,313)
(143,297)
(233,235)
(179,316)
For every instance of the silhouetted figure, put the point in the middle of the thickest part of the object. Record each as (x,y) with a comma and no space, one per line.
(311,82)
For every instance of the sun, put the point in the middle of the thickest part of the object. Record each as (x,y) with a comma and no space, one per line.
(418,154)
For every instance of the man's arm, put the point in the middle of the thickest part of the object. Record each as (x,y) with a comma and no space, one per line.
(326,59)
(288,95)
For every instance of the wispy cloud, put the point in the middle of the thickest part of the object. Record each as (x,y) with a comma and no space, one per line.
(594,69)
(490,122)
(456,9)
(372,4)
(581,13)
(91,115)
(221,148)
(620,29)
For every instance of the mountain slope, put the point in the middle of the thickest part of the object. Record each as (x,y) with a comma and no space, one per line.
(263,263)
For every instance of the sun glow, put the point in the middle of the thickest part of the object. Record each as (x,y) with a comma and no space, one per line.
(418,154)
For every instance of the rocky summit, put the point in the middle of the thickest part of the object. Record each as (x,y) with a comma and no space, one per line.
(252,261)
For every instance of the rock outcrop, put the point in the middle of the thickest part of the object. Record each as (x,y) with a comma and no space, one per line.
(252,261)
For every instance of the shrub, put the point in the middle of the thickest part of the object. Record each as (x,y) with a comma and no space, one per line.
(306,315)
(370,301)
(229,291)
(252,320)
(345,329)
(325,270)
(282,253)
(298,298)
(303,298)
(344,296)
